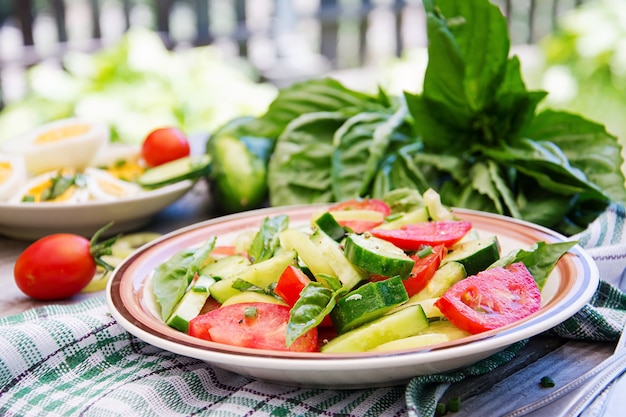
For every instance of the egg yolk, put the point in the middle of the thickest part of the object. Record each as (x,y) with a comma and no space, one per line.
(6,170)
(60,133)
(126,169)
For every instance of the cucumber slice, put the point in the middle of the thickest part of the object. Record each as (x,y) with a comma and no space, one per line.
(348,274)
(125,245)
(475,255)
(252,297)
(416,216)
(377,256)
(437,211)
(327,223)
(308,252)
(367,303)
(404,323)
(438,332)
(260,274)
(446,276)
(188,168)
(190,305)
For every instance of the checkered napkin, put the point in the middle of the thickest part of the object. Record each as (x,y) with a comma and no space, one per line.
(75,360)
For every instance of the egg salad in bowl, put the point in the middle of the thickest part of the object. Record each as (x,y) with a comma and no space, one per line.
(66,177)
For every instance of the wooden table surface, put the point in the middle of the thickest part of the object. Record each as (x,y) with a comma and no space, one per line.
(510,386)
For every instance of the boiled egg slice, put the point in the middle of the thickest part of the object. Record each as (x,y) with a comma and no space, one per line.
(67,143)
(121,160)
(63,186)
(104,186)
(12,175)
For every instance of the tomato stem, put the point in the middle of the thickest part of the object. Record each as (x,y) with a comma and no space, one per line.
(103,248)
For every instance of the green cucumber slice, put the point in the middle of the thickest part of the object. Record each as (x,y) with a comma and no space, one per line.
(348,273)
(260,274)
(446,276)
(440,331)
(188,168)
(191,304)
(367,303)
(404,323)
(475,255)
(327,223)
(416,216)
(377,256)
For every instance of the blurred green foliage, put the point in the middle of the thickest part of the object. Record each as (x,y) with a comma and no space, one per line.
(137,85)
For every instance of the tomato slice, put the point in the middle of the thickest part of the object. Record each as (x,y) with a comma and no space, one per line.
(491,299)
(251,325)
(424,269)
(360,226)
(291,282)
(412,237)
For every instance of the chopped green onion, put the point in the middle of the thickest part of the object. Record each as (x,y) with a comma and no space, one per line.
(250,312)
(441,409)
(547,382)
(393,217)
(454,404)
(425,251)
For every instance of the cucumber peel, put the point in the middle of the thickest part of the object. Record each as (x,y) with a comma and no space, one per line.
(190,167)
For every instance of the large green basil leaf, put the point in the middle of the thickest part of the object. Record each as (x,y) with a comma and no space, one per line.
(360,145)
(587,146)
(299,171)
(312,96)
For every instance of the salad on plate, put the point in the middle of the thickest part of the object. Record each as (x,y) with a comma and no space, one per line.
(396,273)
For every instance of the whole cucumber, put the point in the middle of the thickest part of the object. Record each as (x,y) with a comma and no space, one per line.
(238,180)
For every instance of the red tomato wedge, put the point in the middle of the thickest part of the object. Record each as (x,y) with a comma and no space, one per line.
(414,236)
(360,226)
(290,284)
(424,269)
(251,325)
(491,299)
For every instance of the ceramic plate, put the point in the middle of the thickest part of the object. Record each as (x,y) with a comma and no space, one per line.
(32,221)
(130,298)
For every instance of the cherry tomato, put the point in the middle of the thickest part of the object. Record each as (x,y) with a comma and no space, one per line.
(164,145)
(251,325)
(491,299)
(414,236)
(55,267)
(360,226)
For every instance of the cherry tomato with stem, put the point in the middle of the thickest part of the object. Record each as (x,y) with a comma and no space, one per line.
(163,145)
(60,265)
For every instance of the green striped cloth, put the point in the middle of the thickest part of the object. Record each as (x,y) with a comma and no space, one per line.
(76,360)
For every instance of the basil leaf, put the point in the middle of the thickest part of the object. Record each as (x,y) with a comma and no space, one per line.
(312,96)
(587,146)
(359,146)
(315,302)
(172,278)
(540,259)
(266,239)
(300,169)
